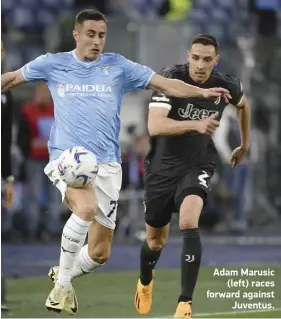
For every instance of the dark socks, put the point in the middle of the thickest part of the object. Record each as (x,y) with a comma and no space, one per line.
(148,260)
(190,262)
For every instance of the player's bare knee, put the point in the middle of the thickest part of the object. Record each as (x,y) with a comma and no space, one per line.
(190,212)
(156,243)
(87,211)
(187,223)
(82,202)
(189,219)
(156,238)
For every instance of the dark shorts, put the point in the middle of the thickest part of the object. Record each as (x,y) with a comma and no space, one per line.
(164,194)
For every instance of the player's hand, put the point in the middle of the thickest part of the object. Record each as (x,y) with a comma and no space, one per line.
(216,93)
(208,125)
(9,194)
(237,155)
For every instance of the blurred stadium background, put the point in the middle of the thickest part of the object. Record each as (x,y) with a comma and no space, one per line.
(242,223)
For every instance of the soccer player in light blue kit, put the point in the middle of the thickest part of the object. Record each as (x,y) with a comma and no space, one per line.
(87,88)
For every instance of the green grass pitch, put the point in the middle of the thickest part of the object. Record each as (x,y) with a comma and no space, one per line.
(110,295)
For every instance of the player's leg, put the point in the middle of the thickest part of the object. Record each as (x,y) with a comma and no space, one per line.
(150,253)
(158,212)
(190,198)
(100,237)
(191,255)
(96,253)
(83,204)
(92,255)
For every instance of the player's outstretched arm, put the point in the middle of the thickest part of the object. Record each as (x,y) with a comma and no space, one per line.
(244,120)
(160,124)
(177,88)
(11,79)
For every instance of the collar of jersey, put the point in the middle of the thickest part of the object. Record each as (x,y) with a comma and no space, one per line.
(87,64)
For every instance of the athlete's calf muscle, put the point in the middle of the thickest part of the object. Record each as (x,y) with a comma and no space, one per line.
(99,242)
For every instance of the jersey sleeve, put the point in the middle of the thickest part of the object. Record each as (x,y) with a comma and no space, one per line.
(159,99)
(235,87)
(37,69)
(137,76)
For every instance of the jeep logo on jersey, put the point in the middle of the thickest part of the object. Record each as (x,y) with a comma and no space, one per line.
(100,90)
(194,113)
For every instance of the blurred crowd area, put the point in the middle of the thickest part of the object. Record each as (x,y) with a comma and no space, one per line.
(155,33)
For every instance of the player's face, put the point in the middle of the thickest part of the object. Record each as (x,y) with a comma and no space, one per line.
(202,59)
(90,39)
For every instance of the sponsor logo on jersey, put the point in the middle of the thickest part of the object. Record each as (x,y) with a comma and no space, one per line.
(193,113)
(99,90)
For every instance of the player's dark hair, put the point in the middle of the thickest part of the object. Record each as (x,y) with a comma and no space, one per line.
(89,14)
(205,39)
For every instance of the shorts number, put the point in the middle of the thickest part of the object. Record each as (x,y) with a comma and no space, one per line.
(113,206)
(202,179)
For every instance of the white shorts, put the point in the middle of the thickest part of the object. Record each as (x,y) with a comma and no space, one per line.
(107,187)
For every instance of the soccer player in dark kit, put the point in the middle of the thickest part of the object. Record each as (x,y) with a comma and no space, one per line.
(180,164)
(6,162)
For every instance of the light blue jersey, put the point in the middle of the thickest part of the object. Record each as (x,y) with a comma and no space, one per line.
(87,98)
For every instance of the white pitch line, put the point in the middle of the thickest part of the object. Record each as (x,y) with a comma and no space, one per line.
(235,312)
(223,313)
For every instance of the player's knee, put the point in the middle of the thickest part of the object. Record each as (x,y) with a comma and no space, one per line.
(190,211)
(189,218)
(99,255)
(86,211)
(83,203)
(188,223)
(156,244)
